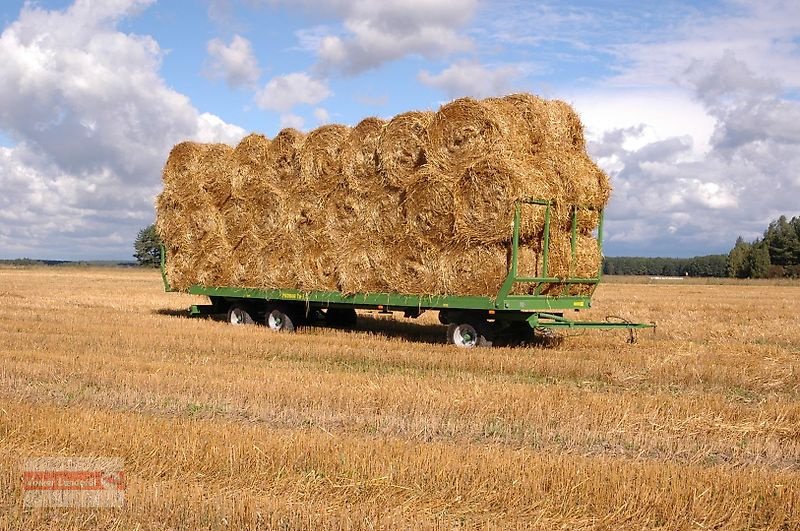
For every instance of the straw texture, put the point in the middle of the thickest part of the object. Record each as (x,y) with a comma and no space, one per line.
(420,204)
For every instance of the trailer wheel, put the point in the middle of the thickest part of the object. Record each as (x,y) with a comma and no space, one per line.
(344,317)
(279,319)
(239,315)
(468,335)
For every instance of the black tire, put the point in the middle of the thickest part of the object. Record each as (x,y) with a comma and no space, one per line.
(444,318)
(239,314)
(280,319)
(469,334)
(343,317)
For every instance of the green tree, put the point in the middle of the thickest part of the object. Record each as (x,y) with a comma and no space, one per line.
(148,247)
(737,259)
(758,263)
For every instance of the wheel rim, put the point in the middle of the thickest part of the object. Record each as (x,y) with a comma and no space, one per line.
(276,320)
(237,316)
(465,336)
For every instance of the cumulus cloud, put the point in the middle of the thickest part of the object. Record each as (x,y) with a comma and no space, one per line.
(235,62)
(282,93)
(322,115)
(763,35)
(92,123)
(378,31)
(292,120)
(470,78)
(665,195)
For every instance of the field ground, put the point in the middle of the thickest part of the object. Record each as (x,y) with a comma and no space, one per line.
(220,426)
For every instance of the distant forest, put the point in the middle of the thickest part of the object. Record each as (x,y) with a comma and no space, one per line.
(776,255)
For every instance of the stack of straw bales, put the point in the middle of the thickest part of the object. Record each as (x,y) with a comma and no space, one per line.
(420,204)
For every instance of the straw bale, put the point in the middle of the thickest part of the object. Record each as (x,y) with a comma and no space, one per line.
(319,158)
(359,259)
(283,159)
(531,110)
(428,206)
(358,154)
(477,270)
(402,147)
(462,132)
(565,125)
(252,150)
(422,204)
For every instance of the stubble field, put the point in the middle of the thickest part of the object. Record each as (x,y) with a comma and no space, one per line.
(384,427)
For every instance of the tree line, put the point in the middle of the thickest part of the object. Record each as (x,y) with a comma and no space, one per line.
(715,265)
(775,255)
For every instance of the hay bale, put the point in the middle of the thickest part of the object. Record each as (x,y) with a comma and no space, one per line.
(484,201)
(428,206)
(359,155)
(253,150)
(402,147)
(282,156)
(462,132)
(422,204)
(320,167)
(476,270)
(565,126)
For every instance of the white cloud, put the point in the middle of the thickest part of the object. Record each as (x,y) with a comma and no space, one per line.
(235,62)
(322,115)
(469,78)
(92,122)
(378,31)
(282,93)
(669,194)
(676,113)
(292,120)
(762,34)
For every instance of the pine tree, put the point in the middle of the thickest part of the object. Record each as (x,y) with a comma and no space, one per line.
(148,247)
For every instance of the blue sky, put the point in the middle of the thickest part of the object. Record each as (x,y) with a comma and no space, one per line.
(691,107)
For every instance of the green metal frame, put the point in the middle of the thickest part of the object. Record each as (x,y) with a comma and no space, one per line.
(537,309)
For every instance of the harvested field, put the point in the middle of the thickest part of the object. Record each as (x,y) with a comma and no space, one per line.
(438,186)
(237,427)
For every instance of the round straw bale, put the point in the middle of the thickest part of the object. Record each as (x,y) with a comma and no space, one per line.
(318,155)
(356,260)
(465,131)
(214,170)
(184,158)
(282,156)
(564,126)
(271,260)
(520,137)
(484,201)
(183,175)
(252,150)
(358,154)
(428,206)
(378,212)
(402,147)
(533,112)
(474,270)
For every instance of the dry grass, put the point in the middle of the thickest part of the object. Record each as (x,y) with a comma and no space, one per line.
(697,426)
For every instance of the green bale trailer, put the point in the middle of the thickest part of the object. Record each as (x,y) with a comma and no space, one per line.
(471,320)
